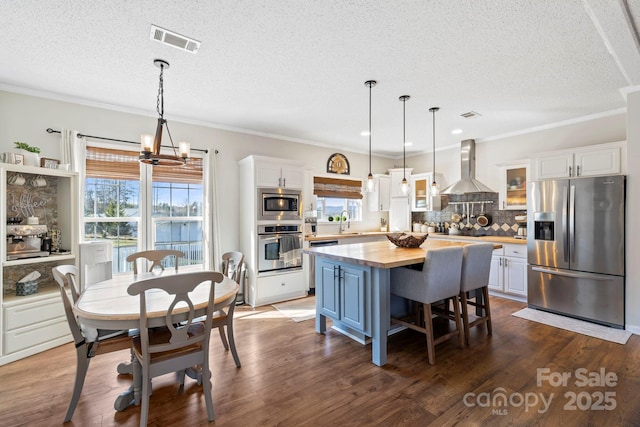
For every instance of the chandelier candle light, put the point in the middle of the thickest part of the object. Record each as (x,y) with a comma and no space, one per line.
(404,185)
(370,84)
(150,152)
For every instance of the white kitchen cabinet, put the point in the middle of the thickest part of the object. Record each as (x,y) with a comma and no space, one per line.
(513,186)
(603,159)
(400,204)
(36,322)
(255,172)
(278,287)
(379,199)
(420,190)
(278,174)
(396,176)
(399,214)
(508,275)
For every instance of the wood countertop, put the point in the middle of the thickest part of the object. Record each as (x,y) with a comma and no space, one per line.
(383,254)
(488,239)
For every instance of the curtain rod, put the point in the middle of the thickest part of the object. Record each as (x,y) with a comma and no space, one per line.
(80,135)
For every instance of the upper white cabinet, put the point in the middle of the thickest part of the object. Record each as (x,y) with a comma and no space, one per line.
(605,159)
(379,199)
(276,174)
(421,199)
(397,175)
(513,185)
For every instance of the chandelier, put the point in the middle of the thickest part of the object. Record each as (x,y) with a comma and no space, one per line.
(150,152)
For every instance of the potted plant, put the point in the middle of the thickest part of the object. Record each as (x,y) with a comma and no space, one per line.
(31,157)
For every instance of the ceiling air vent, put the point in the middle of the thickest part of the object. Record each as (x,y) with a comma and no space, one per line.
(470,115)
(174,39)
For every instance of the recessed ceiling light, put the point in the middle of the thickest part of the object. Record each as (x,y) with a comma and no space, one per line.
(456,131)
(408,143)
(470,115)
(364,133)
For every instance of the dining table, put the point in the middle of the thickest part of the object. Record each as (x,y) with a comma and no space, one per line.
(108,305)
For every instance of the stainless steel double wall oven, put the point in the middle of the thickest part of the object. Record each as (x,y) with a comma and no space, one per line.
(279,230)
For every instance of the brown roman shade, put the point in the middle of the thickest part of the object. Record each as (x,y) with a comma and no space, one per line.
(109,163)
(337,188)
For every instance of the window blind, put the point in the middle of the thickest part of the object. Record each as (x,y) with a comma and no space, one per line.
(110,163)
(337,188)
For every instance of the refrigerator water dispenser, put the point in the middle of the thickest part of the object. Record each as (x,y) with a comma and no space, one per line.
(544,226)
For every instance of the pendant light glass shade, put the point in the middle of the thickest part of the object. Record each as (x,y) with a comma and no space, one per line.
(404,185)
(150,145)
(370,183)
(435,189)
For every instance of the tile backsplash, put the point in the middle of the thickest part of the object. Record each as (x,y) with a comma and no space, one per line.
(503,221)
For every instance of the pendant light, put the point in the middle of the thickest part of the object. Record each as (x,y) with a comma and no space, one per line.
(404,186)
(370,84)
(434,185)
(150,150)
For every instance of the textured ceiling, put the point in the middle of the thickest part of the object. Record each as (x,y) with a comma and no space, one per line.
(296,69)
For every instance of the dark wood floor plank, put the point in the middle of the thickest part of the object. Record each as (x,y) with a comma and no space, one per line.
(291,376)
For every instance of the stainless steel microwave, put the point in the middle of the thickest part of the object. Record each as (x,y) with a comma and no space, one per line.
(279,204)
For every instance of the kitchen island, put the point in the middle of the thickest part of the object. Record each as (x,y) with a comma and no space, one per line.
(353,287)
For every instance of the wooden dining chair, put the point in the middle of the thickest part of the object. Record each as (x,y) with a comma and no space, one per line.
(177,344)
(476,264)
(438,280)
(156,257)
(232,263)
(88,342)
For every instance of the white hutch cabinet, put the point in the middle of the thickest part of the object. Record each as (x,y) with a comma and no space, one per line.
(33,323)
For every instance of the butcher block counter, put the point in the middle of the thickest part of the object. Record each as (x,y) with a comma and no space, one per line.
(353,287)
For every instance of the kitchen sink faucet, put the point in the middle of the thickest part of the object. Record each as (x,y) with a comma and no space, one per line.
(344,214)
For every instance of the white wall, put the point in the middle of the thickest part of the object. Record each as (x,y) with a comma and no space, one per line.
(26,118)
(632,230)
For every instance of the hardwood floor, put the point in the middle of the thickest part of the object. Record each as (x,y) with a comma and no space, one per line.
(291,376)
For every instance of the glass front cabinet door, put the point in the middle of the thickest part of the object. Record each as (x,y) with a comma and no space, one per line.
(513,186)
(420,191)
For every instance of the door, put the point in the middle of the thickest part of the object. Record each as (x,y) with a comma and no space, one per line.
(515,276)
(549,204)
(597,224)
(327,288)
(352,297)
(399,214)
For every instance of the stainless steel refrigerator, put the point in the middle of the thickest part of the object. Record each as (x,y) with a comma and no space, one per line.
(575,245)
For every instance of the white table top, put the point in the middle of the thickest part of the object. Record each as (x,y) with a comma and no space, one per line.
(107,305)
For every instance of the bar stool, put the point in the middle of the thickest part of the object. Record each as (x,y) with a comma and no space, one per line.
(476,263)
(439,280)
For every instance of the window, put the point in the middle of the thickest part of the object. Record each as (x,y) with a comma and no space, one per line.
(330,209)
(335,196)
(115,205)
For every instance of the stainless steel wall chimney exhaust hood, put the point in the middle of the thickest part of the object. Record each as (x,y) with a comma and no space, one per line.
(468,183)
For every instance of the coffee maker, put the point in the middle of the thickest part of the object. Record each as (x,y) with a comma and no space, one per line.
(521,233)
(25,241)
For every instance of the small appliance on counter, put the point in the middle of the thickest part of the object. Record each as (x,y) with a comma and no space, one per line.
(521,220)
(310,225)
(25,241)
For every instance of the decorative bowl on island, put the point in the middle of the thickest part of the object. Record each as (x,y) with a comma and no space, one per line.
(403,240)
